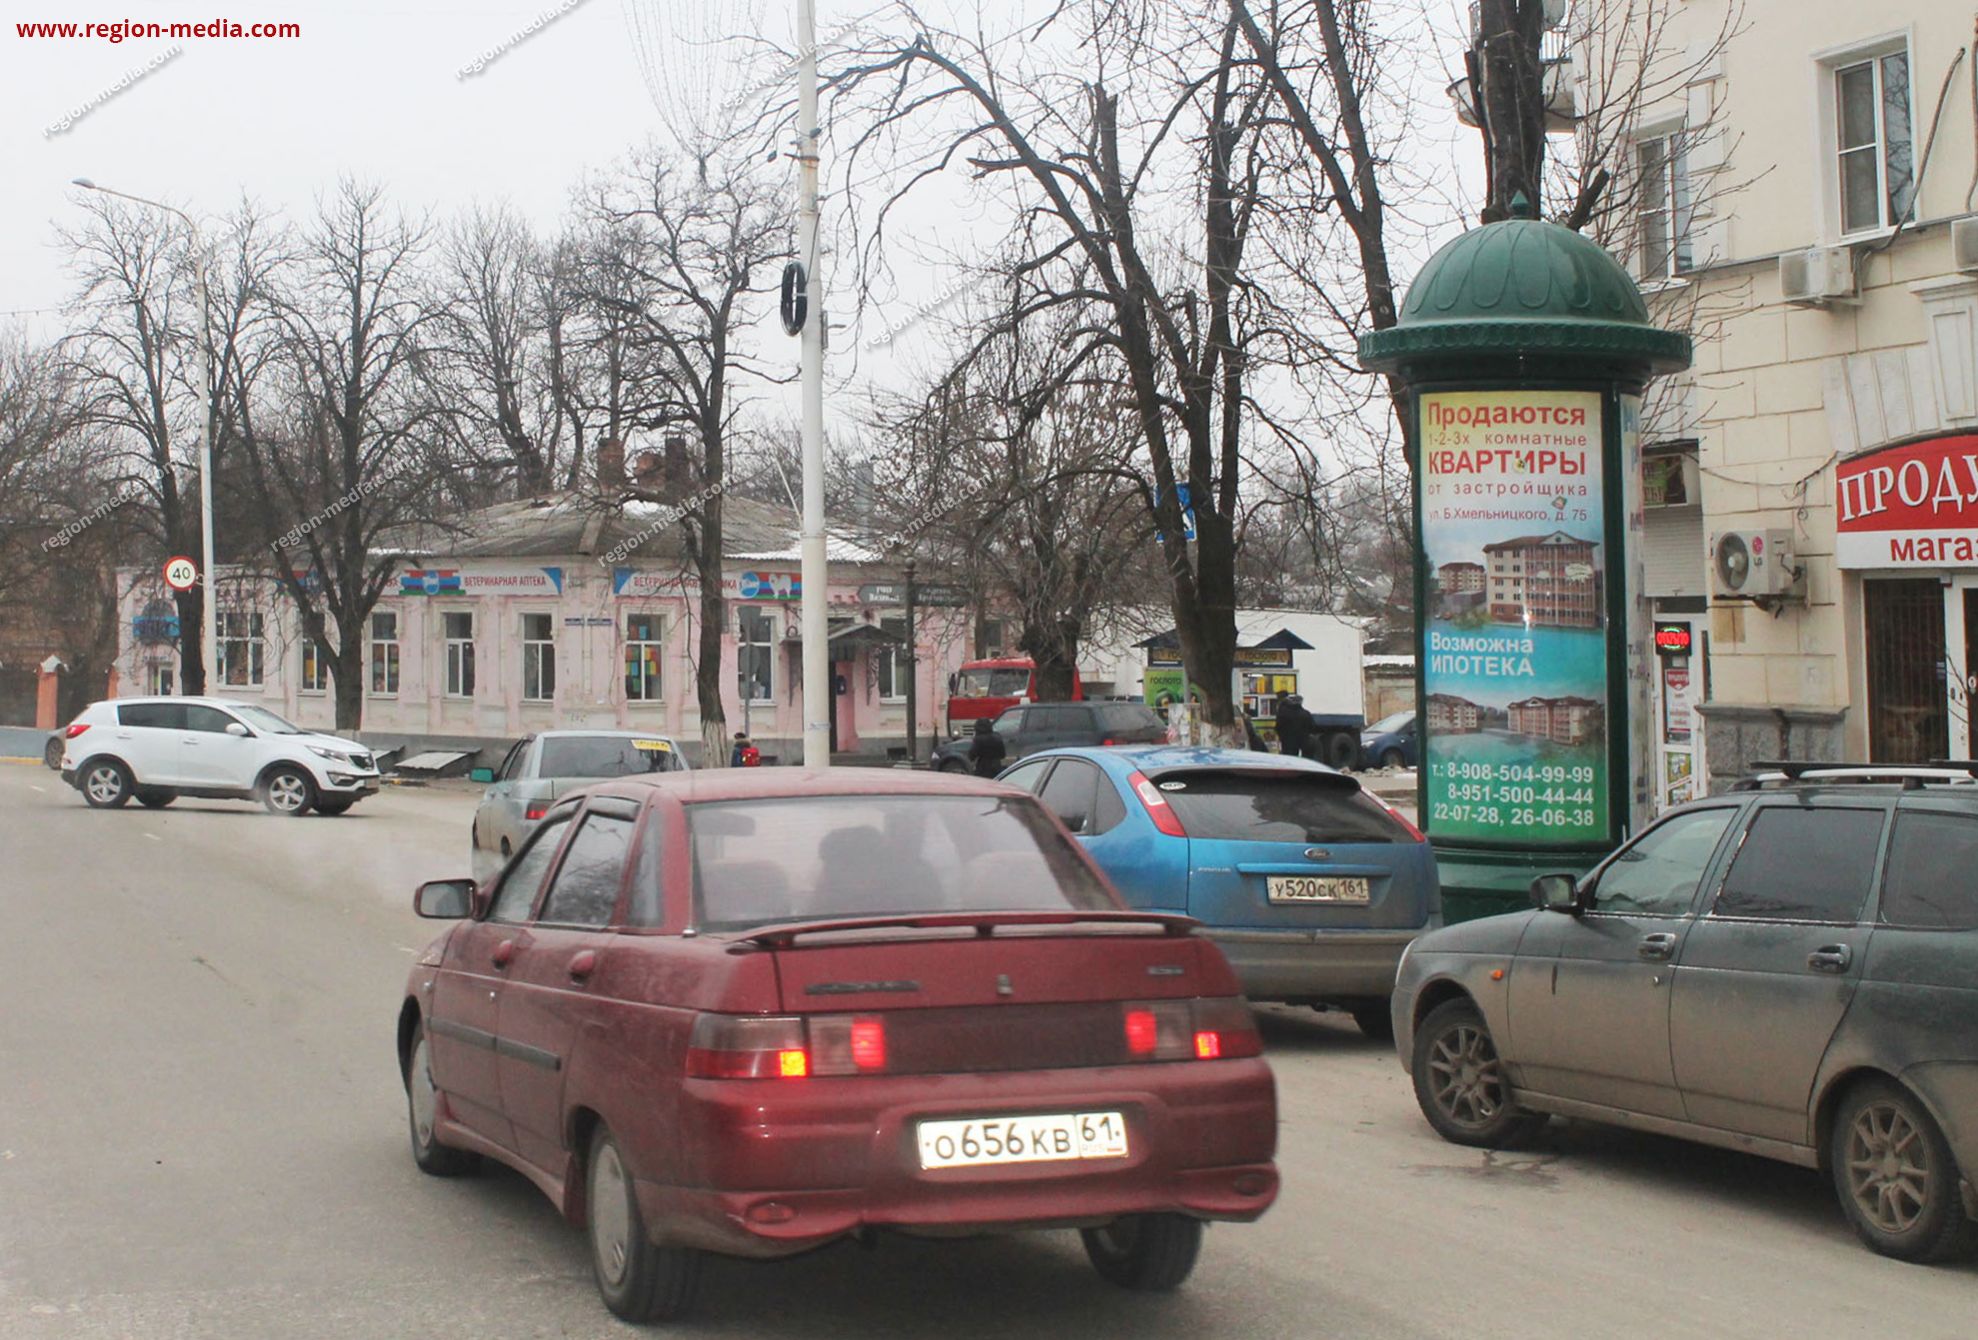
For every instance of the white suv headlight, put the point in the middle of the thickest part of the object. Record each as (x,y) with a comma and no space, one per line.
(330,754)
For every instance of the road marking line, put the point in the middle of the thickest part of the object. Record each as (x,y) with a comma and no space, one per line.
(403,950)
(154,837)
(42,789)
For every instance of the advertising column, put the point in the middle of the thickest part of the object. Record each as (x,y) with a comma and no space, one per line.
(1515,675)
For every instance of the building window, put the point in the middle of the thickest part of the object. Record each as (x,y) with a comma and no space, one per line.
(315,666)
(1877,168)
(158,678)
(989,638)
(538,659)
(755,636)
(891,662)
(384,653)
(459,628)
(240,649)
(644,637)
(1662,209)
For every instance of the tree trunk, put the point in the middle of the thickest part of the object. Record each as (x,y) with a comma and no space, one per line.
(1055,652)
(714,618)
(192,655)
(347,678)
(1513,98)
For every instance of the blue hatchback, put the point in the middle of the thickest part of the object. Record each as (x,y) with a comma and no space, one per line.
(1311,885)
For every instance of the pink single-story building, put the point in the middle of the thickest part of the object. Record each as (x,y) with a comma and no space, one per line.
(567,612)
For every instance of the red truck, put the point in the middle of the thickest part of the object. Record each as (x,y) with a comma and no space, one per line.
(984,689)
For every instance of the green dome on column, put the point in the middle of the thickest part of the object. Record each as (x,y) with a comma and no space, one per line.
(1528,290)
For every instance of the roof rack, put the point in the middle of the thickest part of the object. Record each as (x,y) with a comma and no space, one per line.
(1954,772)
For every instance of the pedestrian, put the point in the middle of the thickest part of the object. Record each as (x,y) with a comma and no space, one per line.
(744,754)
(1250,735)
(986,751)
(1294,725)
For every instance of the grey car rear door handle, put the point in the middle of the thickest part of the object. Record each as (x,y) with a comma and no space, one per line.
(1830,958)
(1660,945)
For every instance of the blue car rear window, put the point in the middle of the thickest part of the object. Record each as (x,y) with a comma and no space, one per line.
(1280,807)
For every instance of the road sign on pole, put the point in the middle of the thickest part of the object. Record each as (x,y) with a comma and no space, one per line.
(181,573)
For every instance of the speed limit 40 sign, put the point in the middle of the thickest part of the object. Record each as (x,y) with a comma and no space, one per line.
(181,573)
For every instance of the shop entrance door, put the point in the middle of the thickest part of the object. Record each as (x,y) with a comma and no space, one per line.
(1908,717)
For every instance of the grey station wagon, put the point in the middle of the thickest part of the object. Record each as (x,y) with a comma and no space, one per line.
(1790,970)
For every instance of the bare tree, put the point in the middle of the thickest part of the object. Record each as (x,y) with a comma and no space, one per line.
(337,420)
(1139,176)
(688,248)
(130,354)
(1029,465)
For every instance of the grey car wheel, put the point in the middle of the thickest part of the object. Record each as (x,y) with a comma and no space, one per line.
(1460,1081)
(1896,1175)
(637,1279)
(1151,1253)
(106,784)
(288,791)
(422,1102)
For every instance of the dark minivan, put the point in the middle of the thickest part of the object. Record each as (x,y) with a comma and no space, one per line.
(1034,726)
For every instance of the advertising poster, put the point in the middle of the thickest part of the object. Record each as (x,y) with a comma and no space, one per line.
(1515,665)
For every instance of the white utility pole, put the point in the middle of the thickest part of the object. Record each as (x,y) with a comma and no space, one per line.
(208,596)
(818,700)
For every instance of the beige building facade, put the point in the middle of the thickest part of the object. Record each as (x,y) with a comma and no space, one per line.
(1812,482)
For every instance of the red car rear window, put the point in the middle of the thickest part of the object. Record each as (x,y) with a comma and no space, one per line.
(1277,807)
(763,861)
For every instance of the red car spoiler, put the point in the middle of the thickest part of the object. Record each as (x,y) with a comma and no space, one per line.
(984,923)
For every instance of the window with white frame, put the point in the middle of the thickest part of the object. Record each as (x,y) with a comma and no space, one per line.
(241,647)
(1663,215)
(1874,146)
(891,662)
(644,639)
(384,653)
(458,628)
(538,658)
(315,666)
(755,639)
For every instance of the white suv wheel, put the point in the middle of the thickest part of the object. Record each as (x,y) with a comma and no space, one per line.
(287,791)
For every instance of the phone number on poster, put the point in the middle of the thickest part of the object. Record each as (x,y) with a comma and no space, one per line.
(1513,794)
(1519,816)
(1518,772)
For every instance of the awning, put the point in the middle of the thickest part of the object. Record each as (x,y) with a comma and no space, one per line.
(850,637)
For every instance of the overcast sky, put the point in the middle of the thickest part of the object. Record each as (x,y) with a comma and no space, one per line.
(374,90)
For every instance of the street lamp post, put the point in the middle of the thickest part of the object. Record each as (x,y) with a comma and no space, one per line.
(913,676)
(208,619)
(817,695)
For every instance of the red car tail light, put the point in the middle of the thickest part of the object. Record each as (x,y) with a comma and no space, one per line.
(1158,1030)
(537,809)
(846,1044)
(75,728)
(1156,805)
(1230,1027)
(726,1046)
(1181,1030)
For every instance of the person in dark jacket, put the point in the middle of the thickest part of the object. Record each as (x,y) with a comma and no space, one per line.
(1251,739)
(987,751)
(1294,725)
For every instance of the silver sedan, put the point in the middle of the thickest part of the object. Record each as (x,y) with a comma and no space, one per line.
(539,768)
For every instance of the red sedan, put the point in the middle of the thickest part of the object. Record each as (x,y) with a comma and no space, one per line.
(751,1012)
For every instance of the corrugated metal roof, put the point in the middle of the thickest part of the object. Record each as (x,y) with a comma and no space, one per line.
(580,523)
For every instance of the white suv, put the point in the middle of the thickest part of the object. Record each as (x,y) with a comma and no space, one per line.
(158,749)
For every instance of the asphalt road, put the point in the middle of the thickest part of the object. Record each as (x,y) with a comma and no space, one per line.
(202,1135)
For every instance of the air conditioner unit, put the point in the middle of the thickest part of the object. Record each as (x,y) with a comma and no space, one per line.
(1964,244)
(1817,276)
(1754,565)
